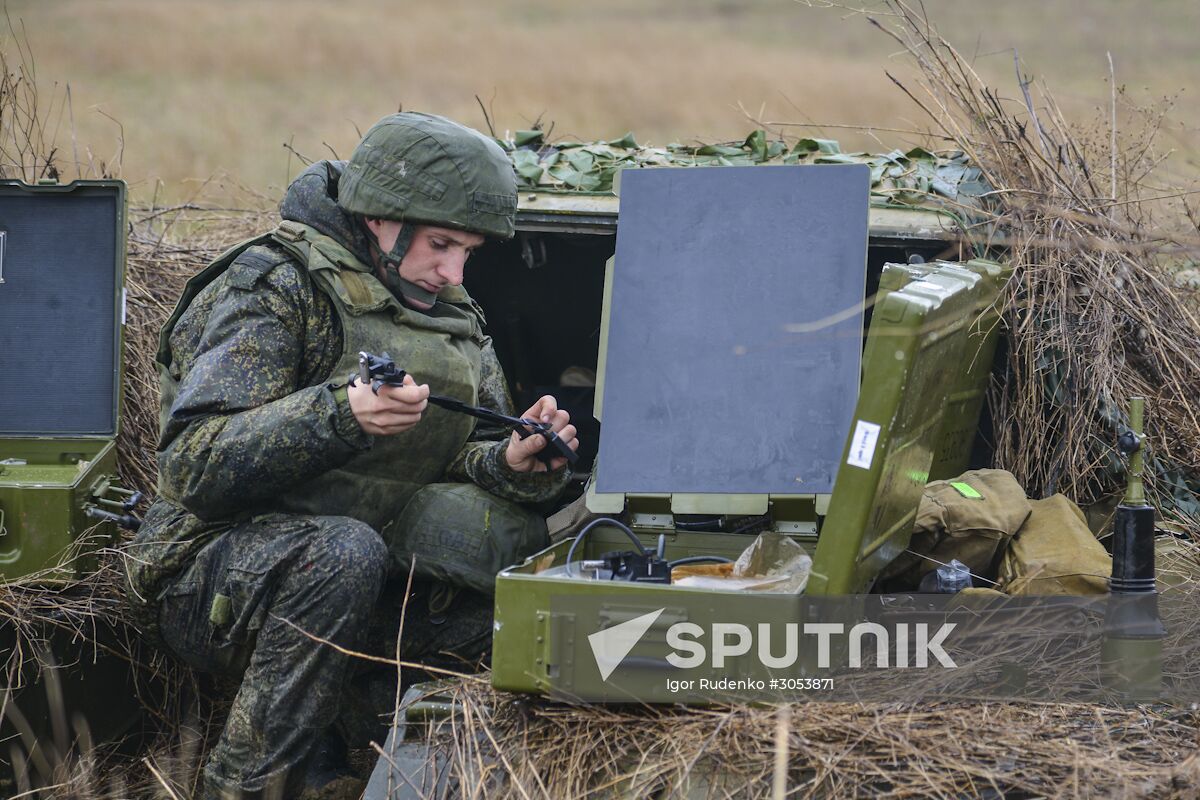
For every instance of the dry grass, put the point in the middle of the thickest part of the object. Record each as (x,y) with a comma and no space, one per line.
(498,748)
(1094,232)
(208,87)
(87,619)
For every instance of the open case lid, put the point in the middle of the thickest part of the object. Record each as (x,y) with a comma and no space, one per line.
(732,335)
(915,362)
(62,264)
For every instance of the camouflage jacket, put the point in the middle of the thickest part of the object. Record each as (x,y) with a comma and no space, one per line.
(254,417)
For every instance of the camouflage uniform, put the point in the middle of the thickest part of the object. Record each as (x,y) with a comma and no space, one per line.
(278,517)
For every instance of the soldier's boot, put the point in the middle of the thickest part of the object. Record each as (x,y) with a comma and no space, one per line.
(329,775)
(445,628)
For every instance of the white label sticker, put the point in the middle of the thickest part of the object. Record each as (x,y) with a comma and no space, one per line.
(124,303)
(862,448)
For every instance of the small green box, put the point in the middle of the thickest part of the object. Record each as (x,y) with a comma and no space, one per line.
(62,312)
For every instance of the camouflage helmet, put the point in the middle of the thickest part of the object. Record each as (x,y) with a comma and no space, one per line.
(424,168)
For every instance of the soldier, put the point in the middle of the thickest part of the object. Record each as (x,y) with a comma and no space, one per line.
(289,493)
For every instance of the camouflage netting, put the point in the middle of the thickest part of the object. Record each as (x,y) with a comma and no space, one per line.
(915,177)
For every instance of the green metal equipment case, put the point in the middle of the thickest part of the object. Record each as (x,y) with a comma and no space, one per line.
(62,313)
(926,363)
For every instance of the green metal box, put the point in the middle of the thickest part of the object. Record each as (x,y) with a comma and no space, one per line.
(62,312)
(926,361)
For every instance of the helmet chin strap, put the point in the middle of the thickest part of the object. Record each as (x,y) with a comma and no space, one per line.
(402,289)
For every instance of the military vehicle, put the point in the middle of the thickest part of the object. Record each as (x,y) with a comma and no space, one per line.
(544,294)
(770,351)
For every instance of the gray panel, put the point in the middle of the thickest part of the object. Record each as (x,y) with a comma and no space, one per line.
(736,329)
(57,327)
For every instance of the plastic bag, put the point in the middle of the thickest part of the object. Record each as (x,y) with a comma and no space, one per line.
(773,563)
(949,578)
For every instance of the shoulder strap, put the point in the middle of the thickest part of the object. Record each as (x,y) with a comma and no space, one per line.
(294,237)
(256,264)
(289,235)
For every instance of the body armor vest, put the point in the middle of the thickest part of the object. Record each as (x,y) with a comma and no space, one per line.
(440,347)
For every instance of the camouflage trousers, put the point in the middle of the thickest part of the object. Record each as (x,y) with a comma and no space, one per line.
(260,599)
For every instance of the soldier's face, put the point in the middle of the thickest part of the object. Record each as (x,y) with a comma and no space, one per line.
(435,258)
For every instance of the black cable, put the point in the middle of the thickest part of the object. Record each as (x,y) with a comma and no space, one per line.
(750,524)
(718,524)
(588,528)
(711,524)
(699,560)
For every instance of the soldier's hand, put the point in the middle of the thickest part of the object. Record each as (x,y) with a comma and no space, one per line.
(394,410)
(521,454)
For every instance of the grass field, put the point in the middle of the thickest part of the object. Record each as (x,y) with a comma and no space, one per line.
(202,88)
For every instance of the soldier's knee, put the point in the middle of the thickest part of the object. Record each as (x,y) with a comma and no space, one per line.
(461,534)
(353,551)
